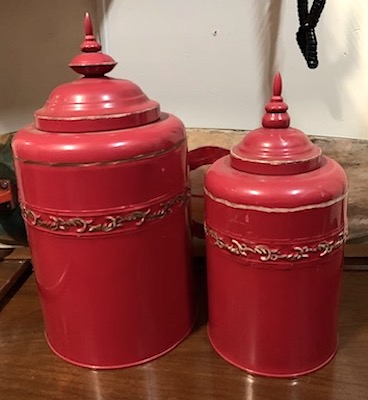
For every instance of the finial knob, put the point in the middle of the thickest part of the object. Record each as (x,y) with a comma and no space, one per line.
(277,84)
(91,63)
(276,110)
(90,44)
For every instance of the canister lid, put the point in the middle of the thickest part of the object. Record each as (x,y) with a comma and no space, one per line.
(276,148)
(95,102)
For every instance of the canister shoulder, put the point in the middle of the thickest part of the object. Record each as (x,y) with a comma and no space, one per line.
(325,184)
(37,146)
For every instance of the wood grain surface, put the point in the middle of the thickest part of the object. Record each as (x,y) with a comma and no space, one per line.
(28,369)
(11,274)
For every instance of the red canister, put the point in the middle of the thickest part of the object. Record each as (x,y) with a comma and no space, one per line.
(275,214)
(104,190)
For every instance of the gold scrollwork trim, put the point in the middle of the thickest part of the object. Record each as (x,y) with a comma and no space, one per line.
(108,223)
(265,253)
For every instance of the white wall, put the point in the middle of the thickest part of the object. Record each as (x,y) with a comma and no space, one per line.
(211,61)
(208,61)
(38,38)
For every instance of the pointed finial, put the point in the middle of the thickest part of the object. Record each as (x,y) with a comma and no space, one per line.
(91,63)
(88,28)
(90,44)
(276,110)
(277,84)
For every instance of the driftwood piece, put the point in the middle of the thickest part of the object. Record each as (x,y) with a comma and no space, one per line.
(350,153)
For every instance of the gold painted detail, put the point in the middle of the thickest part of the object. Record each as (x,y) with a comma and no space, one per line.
(265,253)
(279,210)
(107,223)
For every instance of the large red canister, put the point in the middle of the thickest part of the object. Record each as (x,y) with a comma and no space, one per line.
(275,215)
(103,184)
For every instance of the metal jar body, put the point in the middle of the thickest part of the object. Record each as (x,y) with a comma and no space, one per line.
(274,258)
(108,226)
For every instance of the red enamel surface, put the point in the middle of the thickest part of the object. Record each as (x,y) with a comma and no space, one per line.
(107,218)
(275,240)
(95,102)
(276,148)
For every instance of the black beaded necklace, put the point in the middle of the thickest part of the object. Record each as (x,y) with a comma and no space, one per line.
(306,36)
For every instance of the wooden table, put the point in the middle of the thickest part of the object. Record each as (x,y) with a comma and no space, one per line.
(13,272)
(28,369)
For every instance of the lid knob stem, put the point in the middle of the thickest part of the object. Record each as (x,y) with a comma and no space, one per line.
(276,110)
(277,84)
(90,44)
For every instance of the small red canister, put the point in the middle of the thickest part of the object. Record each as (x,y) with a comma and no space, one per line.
(103,182)
(275,215)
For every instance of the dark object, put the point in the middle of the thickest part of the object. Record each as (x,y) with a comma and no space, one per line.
(306,36)
(12,230)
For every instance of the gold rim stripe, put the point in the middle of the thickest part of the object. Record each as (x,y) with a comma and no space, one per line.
(98,163)
(275,209)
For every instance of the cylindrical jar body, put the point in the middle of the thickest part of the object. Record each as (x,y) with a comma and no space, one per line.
(107,222)
(274,259)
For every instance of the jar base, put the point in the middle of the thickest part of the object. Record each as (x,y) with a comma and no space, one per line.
(122,365)
(267,374)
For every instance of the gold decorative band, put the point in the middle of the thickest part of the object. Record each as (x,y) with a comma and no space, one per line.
(264,253)
(73,225)
(274,209)
(112,162)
